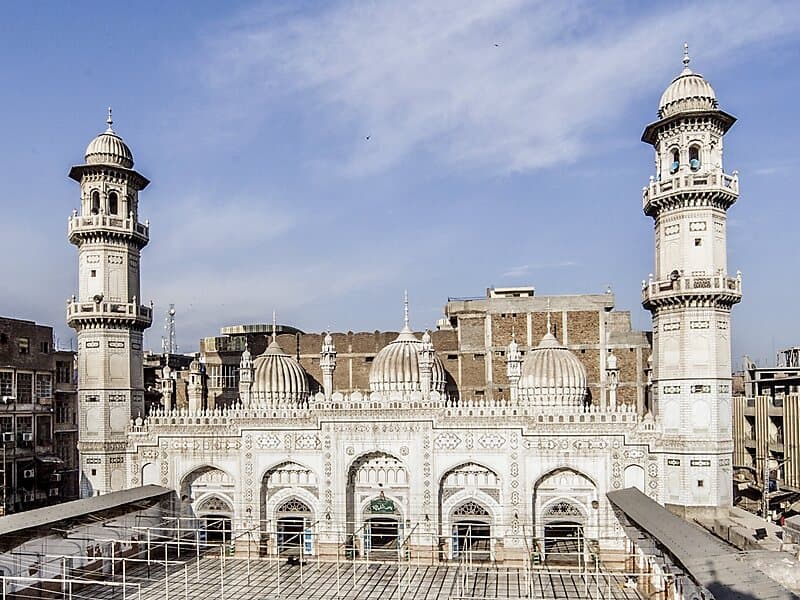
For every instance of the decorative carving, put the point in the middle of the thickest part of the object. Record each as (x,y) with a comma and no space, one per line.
(447,441)
(492,440)
(293,505)
(270,441)
(469,509)
(307,442)
(562,509)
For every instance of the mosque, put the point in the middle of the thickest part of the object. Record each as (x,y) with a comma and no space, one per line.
(499,432)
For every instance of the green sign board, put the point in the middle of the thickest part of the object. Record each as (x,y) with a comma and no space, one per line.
(381,505)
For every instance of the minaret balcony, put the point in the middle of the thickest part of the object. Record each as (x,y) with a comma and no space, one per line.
(81,226)
(716,184)
(720,288)
(106,311)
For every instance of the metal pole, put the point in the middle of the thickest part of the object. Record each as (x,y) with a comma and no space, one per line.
(166,577)
(124,585)
(185,582)
(222,568)
(197,553)
(249,534)
(148,553)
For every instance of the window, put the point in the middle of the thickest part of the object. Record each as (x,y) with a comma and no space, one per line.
(24,388)
(230,376)
(6,424)
(676,161)
(24,345)
(698,241)
(24,424)
(6,383)
(113,203)
(3,338)
(44,347)
(44,385)
(700,483)
(93,273)
(452,357)
(95,202)
(63,372)
(694,158)
(44,435)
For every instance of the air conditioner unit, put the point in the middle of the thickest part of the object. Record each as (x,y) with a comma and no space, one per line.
(28,473)
(9,399)
(8,436)
(27,437)
(55,477)
(54,492)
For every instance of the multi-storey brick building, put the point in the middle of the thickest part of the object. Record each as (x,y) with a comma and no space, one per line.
(40,464)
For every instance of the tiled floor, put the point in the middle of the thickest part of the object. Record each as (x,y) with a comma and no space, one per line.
(271,579)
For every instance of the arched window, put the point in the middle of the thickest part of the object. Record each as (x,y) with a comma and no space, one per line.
(694,157)
(95,202)
(113,203)
(676,161)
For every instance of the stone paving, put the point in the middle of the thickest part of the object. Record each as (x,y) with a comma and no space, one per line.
(370,581)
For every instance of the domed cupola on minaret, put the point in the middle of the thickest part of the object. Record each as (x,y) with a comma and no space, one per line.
(552,375)
(407,364)
(278,379)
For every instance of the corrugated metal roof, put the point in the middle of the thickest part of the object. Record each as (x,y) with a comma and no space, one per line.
(41,517)
(711,562)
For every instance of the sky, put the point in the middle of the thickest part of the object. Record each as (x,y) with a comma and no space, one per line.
(317,159)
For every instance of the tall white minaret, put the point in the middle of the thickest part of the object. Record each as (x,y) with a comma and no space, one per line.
(690,294)
(107,314)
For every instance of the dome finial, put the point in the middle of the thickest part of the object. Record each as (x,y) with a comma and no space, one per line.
(405,310)
(274,327)
(110,121)
(686,58)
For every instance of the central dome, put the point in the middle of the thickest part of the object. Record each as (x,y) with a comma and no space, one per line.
(278,378)
(689,91)
(109,149)
(552,375)
(396,368)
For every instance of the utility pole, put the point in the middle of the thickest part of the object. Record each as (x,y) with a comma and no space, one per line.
(765,487)
(4,480)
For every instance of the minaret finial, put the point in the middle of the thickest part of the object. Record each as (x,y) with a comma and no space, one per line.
(405,309)
(686,58)
(110,121)
(274,327)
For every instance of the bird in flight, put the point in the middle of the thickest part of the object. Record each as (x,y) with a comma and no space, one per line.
(497,45)
(367,137)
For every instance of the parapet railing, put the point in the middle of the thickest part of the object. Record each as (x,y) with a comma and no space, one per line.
(128,309)
(699,180)
(80,222)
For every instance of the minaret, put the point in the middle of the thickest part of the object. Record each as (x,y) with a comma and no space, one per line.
(690,294)
(194,391)
(245,377)
(514,367)
(612,379)
(327,362)
(427,355)
(106,314)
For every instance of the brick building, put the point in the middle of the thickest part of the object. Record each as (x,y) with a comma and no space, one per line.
(37,387)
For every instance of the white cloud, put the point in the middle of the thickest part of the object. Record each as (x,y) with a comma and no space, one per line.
(522,270)
(507,85)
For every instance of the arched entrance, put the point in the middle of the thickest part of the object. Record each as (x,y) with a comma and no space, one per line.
(471,531)
(564,539)
(292,524)
(469,496)
(215,516)
(565,516)
(288,497)
(383,528)
(377,498)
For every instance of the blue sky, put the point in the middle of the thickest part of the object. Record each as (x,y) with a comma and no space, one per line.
(503,149)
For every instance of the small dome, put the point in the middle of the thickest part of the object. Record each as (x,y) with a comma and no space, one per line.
(689,91)
(277,377)
(109,149)
(552,375)
(396,367)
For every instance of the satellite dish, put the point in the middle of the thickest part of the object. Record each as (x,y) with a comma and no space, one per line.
(98,298)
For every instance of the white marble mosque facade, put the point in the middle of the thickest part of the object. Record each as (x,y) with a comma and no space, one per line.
(510,468)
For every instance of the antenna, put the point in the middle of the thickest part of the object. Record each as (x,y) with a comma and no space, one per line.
(168,342)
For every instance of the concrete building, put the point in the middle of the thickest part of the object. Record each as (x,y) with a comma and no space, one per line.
(501,432)
(766,434)
(38,461)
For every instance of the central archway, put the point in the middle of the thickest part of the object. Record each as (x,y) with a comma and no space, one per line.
(289,502)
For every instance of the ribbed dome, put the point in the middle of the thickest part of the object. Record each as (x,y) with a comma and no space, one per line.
(552,375)
(396,367)
(277,377)
(689,91)
(109,149)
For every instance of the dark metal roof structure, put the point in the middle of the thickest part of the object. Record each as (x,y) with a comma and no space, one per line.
(712,563)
